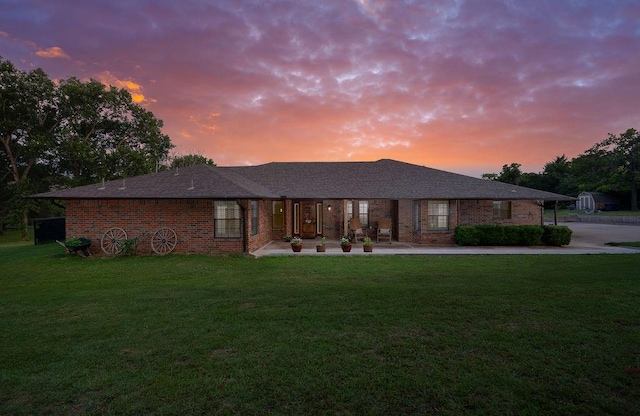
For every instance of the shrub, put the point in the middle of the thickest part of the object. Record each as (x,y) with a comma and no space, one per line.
(554,235)
(467,235)
(531,235)
(498,235)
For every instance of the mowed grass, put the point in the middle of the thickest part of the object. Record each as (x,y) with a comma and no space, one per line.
(372,335)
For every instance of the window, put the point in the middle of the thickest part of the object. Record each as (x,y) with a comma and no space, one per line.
(277,221)
(319,218)
(254,217)
(227,219)
(349,209)
(363,213)
(416,215)
(501,210)
(438,215)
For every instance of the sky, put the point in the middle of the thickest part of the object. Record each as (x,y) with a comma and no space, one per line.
(460,85)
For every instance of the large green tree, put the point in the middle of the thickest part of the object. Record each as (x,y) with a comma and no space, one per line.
(28,120)
(190,160)
(619,163)
(555,176)
(612,165)
(68,134)
(104,135)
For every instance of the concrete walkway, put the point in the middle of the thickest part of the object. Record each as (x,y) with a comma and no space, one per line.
(586,239)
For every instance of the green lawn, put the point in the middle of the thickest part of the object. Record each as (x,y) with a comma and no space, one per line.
(568,213)
(524,335)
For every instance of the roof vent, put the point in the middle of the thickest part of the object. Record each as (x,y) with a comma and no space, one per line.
(103,187)
(124,186)
(177,173)
(191,188)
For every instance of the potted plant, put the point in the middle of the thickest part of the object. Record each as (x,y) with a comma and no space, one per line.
(366,245)
(320,248)
(345,244)
(296,244)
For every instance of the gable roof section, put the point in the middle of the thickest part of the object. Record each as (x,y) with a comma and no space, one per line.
(200,181)
(383,179)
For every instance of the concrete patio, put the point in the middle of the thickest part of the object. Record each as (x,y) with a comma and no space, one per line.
(586,239)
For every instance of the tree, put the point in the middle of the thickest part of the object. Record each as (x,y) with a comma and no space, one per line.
(104,135)
(490,176)
(190,160)
(621,156)
(555,176)
(28,117)
(69,134)
(510,174)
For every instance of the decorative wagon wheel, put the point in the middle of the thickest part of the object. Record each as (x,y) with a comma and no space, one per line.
(112,241)
(164,240)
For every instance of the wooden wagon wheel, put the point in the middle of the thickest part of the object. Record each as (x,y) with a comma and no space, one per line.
(112,241)
(164,241)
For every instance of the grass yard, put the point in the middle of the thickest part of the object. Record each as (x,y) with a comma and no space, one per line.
(524,335)
(548,213)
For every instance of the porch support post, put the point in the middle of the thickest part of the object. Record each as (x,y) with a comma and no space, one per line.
(345,220)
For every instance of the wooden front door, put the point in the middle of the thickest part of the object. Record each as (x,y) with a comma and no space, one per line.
(306,223)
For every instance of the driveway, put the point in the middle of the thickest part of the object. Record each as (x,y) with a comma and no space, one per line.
(596,235)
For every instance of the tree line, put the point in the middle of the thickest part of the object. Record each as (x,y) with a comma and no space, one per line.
(69,133)
(611,166)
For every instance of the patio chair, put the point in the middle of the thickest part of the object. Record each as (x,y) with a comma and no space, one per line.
(355,229)
(384,229)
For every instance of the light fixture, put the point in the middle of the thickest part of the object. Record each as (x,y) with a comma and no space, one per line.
(329,207)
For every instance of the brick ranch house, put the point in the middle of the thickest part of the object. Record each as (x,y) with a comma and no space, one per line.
(220,210)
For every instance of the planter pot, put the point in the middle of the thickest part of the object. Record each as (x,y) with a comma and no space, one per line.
(346,247)
(368,248)
(296,248)
(321,249)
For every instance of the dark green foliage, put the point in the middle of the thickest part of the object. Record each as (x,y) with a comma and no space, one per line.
(467,235)
(68,133)
(498,235)
(76,242)
(556,235)
(611,165)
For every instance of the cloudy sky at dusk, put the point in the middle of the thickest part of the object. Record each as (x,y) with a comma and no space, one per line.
(460,85)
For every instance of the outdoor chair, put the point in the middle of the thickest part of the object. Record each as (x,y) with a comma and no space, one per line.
(384,229)
(355,229)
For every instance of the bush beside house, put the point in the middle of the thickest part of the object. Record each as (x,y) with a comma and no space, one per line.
(512,235)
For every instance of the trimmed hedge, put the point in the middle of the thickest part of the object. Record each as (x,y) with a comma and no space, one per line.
(511,235)
(555,235)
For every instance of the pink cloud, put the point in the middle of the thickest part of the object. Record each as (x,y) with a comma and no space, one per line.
(52,53)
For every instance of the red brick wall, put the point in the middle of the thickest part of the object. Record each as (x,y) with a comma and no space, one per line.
(192,220)
(476,212)
(264,225)
(423,235)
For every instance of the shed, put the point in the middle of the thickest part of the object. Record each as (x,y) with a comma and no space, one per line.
(597,201)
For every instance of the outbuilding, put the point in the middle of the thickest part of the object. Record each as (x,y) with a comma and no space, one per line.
(597,201)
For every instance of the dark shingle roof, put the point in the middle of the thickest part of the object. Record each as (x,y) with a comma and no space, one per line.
(383,179)
(201,181)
